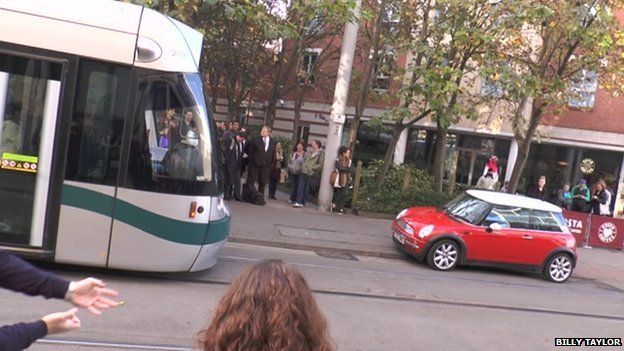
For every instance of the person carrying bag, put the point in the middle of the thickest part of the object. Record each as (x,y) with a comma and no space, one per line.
(341,178)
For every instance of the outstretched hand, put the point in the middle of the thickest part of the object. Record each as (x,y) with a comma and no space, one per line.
(91,294)
(61,322)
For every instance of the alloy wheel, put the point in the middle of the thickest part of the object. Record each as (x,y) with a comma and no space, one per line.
(560,268)
(445,256)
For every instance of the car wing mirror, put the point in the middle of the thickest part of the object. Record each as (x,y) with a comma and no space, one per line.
(494,227)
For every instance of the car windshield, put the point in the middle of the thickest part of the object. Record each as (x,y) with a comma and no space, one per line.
(467,208)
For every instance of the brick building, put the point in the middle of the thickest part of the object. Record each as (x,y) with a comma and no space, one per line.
(586,142)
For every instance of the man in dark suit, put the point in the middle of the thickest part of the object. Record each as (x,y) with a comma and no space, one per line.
(233,159)
(261,158)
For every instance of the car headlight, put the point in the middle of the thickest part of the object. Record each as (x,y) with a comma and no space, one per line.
(425,231)
(401,214)
(406,227)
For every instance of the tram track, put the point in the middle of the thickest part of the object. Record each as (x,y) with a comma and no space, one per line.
(111,345)
(413,298)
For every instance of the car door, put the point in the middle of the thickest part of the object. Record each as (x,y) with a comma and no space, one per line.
(544,238)
(510,243)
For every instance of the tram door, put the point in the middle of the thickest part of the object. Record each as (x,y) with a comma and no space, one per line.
(92,163)
(29,101)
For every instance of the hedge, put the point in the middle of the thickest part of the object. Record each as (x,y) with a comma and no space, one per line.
(391,198)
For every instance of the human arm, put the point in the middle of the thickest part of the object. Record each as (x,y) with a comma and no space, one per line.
(602,197)
(318,167)
(19,275)
(21,335)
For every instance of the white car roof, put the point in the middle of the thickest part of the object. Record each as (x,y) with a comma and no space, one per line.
(504,199)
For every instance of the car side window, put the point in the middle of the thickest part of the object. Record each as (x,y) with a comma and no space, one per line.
(509,217)
(544,220)
(495,217)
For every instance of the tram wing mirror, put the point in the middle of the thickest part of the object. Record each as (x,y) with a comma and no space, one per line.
(494,227)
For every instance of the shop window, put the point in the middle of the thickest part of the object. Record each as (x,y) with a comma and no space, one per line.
(583,90)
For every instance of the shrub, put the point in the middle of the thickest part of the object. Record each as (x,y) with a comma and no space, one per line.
(391,198)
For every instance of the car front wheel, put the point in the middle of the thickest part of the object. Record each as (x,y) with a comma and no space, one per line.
(559,268)
(444,255)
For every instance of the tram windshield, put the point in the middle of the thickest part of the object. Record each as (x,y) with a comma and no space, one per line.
(173,132)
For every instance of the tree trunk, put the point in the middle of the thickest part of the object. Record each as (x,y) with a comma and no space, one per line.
(440,157)
(297,119)
(398,129)
(275,91)
(524,144)
(453,171)
(368,77)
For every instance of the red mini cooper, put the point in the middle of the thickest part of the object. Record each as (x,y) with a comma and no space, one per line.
(484,227)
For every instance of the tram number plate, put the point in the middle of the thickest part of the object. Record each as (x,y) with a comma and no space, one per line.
(399,237)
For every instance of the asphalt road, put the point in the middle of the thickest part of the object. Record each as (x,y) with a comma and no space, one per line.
(371,304)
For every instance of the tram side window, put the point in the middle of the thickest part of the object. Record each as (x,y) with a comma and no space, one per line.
(97,123)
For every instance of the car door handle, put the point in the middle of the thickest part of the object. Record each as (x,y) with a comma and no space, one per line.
(527,237)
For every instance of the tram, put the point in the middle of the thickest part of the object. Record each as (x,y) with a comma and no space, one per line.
(108,152)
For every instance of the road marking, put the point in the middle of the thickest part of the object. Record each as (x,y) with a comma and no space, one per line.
(113,345)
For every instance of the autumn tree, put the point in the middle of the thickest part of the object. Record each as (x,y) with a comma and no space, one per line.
(446,40)
(555,46)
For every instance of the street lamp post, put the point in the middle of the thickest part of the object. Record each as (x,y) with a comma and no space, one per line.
(339,108)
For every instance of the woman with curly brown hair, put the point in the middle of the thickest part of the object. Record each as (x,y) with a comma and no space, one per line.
(268,308)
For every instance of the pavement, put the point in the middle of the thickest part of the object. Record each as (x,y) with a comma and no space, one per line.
(278,224)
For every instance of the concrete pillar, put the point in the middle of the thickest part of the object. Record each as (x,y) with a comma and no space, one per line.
(511,159)
(339,108)
(618,209)
(401,148)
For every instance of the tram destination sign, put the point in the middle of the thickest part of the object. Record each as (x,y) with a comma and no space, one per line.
(21,163)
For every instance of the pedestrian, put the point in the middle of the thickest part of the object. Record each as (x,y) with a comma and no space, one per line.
(492,166)
(601,199)
(233,156)
(19,275)
(276,170)
(580,196)
(538,191)
(564,197)
(341,179)
(231,133)
(245,147)
(505,187)
(487,181)
(269,307)
(261,159)
(221,128)
(295,164)
(311,168)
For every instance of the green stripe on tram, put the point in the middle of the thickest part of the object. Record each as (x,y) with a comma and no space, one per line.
(160,226)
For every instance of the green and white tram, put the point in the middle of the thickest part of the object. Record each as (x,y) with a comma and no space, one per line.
(108,153)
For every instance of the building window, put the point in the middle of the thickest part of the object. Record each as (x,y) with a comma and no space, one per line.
(383,70)
(583,90)
(308,62)
(491,87)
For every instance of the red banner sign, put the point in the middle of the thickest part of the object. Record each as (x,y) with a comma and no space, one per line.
(606,232)
(578,222)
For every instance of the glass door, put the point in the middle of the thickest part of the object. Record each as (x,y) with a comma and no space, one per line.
(29,100)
